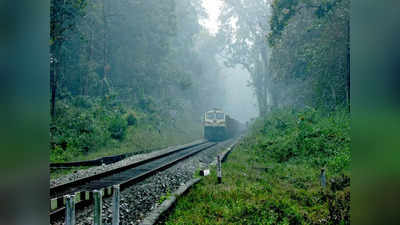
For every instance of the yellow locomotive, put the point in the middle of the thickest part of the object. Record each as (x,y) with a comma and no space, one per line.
(218,126)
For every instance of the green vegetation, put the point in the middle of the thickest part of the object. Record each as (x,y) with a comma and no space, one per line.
(164,197)
(88,129)
(132,76)
(297,51)
(128,76)
(273,175)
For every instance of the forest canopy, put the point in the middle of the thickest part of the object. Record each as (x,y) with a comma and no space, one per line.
(297,52)
(114,58)
(153,62)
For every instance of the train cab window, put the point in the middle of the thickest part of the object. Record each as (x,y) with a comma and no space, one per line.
(220,116)
(210,116)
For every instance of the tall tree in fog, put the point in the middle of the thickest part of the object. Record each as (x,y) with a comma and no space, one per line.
(244,25)
(63,19)
(111,57)
(297,55)
(133,52)
(311,49)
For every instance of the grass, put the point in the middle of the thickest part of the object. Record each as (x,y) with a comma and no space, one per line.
(272,178)
(164,197)
(87,128)
(142,140)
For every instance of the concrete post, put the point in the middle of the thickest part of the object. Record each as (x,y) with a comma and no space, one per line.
(115,205)
(323,178)
(70,210)
(219,169)
(97,207)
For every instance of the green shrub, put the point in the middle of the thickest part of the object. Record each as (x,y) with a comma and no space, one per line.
(117,127)
(323,140)
(57,154)
(147,104)
(131,119)
(82,101)
(84,127)
(81,126)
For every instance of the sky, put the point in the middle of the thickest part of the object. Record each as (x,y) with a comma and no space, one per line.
(213,9)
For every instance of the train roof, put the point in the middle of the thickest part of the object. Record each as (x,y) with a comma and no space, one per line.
(215,110)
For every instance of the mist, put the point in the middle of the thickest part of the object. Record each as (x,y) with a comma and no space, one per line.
(240,101)
(123,69)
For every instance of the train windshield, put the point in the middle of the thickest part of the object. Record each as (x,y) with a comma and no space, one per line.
(210,115)
(220,116)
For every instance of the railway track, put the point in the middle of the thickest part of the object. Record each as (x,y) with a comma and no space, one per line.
(124,176)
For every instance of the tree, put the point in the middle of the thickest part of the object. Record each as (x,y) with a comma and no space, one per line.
(64,14)
(244,27)
(311,50)
(297,51)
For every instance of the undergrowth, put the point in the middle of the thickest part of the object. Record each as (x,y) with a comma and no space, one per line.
(88,128)
(273,175)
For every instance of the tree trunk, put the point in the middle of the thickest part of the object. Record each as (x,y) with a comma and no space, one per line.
(90,53)
(106,58)
(333,92)
(348,66)
(105,65)
(53,86)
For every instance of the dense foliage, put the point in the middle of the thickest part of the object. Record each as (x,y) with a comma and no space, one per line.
(112,59)
(298,52)
(88,128)
(322,140)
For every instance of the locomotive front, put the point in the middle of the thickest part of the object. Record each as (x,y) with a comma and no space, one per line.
(215,125)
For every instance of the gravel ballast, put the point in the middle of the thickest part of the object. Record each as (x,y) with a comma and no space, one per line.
(140,199)
(79,174)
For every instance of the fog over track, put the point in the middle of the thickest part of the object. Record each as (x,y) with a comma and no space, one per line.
(240,101)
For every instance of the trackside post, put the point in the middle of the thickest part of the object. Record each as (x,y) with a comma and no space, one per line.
(219,169)
(323,178)
(70,210)
(97,207)
(115,205)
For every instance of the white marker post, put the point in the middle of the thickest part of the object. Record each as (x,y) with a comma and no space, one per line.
(97,207)
(70,210)
(205,172)
(323,178)
(219,169)
(115,205)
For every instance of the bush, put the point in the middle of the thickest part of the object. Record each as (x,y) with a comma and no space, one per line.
(83,125)
(131,119)
(118,128)
(82,102)
(147,104)
(310,135)
(58,155)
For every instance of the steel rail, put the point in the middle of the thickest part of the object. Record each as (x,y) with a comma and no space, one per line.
(59,212)
(61,190)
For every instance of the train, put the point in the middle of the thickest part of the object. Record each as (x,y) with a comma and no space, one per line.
(218,126)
